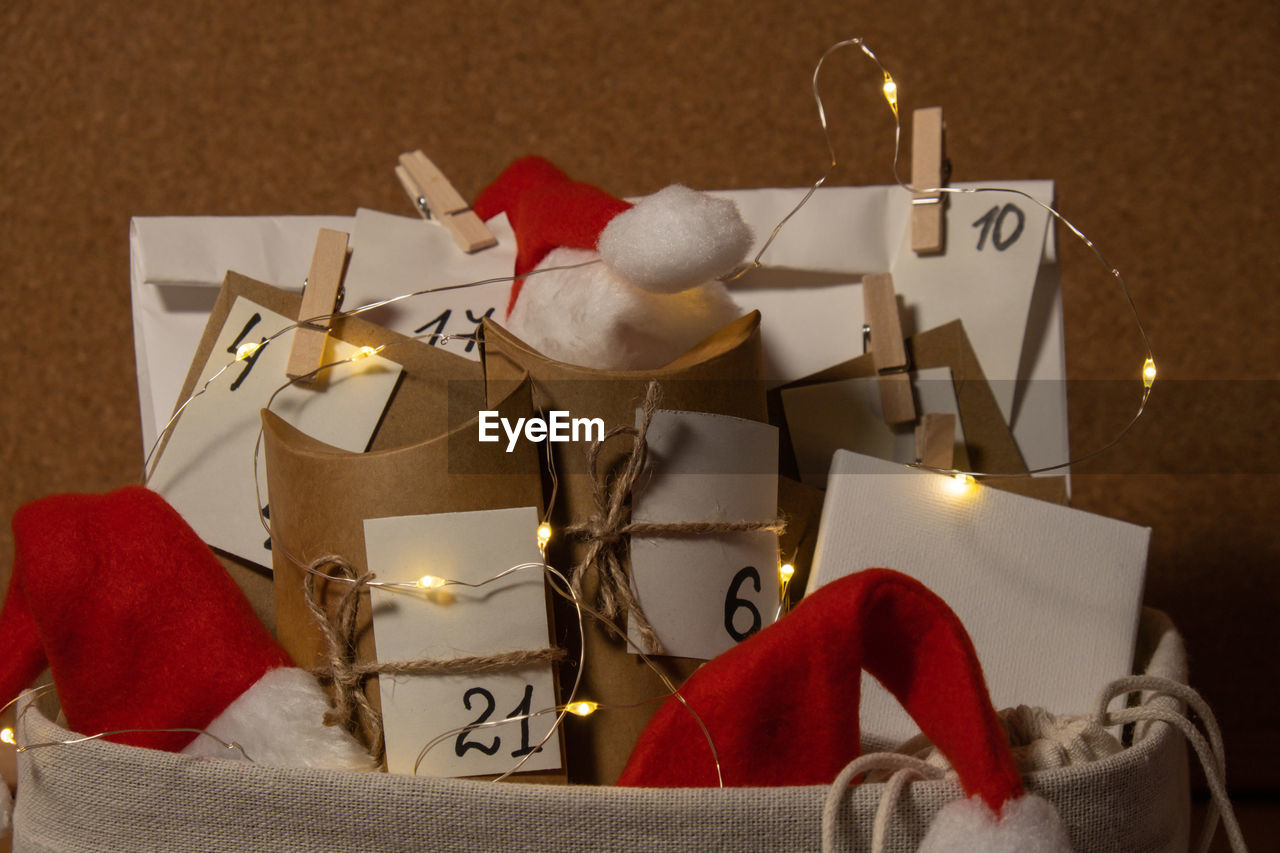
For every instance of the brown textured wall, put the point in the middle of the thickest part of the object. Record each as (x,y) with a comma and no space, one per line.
(1158,120)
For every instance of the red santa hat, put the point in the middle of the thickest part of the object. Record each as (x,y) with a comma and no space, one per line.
(781,709)
(143,628)
(665,243)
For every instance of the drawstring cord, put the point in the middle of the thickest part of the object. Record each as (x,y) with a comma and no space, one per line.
(1208,747)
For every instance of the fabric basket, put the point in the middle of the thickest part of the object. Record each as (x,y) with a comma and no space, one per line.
(95,796)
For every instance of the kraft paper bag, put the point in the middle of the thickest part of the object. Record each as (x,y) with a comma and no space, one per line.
(989,445)
(721,375)
(320,497)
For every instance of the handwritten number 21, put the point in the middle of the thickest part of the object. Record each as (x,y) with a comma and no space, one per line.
(462,745)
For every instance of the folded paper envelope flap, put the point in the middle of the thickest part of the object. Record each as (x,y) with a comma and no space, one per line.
(989,443)
(718,344)
(419,403)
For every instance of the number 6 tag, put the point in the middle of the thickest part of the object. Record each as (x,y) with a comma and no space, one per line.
(704,594)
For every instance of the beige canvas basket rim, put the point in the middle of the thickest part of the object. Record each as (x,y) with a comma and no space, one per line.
(1167,659)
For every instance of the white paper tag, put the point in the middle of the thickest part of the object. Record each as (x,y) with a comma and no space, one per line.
(704,594)
(987,276)
(206,469)
(457,621)
(847,414)
(1050,595)
(392,255)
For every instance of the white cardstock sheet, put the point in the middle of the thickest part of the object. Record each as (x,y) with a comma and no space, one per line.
(454,621)
(1050,595)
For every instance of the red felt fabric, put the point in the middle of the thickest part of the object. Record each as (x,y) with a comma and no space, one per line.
(139,622)
(547,209)
(782,707)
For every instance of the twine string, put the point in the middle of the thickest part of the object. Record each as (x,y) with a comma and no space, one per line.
(1207,745)
(609,529)
(341,669)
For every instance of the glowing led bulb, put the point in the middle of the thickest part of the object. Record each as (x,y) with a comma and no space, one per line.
(960,484)
(363,352)
(582,709)
(544,535)
(245,350)
(891,92)
(6,735)
(1148,372)
(430,582)
(785,571)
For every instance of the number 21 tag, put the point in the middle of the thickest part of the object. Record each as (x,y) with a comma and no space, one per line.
(480,723)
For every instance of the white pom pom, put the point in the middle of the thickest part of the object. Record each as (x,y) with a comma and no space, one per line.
(1028,824)
(590,317)
(675,239)
(280,721)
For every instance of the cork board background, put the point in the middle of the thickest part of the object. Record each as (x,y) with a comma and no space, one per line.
(1158,120)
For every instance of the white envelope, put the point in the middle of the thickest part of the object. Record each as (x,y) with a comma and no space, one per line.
(176,267)
(808,295)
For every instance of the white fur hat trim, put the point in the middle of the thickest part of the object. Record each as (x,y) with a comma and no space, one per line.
(1027,824)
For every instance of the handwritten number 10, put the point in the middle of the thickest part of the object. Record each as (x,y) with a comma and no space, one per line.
(462,745)
(993,222)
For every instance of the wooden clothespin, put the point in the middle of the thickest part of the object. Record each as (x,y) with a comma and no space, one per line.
(435,198)
(882,331)
(936,440)
(928,169)
(322,295)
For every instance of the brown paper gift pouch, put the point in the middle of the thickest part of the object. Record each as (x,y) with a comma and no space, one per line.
(321,495)
(989,444)
(722,375)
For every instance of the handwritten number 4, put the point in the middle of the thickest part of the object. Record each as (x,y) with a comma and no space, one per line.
(252,359)
(994,222)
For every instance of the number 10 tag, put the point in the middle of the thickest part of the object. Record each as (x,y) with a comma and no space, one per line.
(705,593)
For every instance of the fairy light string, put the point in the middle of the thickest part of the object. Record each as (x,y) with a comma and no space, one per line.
(8,736)
(609,529)
(564,588)
(962,479)
(890,90)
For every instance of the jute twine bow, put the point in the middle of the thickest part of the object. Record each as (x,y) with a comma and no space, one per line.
(352,707)
(609,530)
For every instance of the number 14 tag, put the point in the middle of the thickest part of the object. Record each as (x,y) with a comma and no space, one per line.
(703,594)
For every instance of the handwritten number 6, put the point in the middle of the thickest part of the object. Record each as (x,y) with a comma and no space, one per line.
(733,603)
(993,222)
